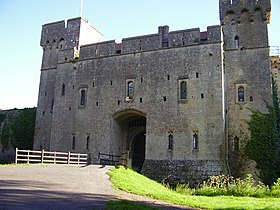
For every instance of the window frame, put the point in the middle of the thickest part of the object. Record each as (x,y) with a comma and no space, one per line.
(129,90)
(238,87)
(83,96)
(180,90)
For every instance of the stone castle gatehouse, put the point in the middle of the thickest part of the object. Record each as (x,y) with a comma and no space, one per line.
(173,104)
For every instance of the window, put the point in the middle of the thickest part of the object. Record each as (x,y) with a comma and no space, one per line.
(241,94)
(130,89)
(195,141)
(183,90)
(73,142)
(87,145)
(236,144)
(170,141)
(83,98)
(236,41)
(63,90)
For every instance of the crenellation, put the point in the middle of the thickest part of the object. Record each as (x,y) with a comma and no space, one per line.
(241,7)
(140,43)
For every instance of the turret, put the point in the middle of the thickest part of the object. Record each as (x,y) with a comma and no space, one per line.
(66,35)
(245,22)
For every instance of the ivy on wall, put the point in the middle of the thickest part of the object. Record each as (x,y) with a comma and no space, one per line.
(5,136)
(23,126)
(264,144)
(17,129)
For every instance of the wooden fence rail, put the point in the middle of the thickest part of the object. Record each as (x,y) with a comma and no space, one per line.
(32,156)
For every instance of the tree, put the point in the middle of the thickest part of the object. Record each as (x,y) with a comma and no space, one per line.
(23,128)
(264,145)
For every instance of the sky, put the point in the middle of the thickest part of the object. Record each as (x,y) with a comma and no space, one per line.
(21,23)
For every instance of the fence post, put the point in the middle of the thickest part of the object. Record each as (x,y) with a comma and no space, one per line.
(28,156)
(54,160)
(78,158)
(16,155)
(42,156)
(68,159)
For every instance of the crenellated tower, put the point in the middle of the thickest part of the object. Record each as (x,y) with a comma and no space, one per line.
(61,42)
(246,67)
(245,23)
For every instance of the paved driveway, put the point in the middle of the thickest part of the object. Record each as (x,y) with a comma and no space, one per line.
(54,187)
(63,187)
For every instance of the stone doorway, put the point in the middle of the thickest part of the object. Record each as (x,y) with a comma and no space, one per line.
(129,137)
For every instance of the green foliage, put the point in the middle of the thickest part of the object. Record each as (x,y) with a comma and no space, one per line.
(275,189)
(130,181)
(5,136)
(229,186)
(2,117)
(23,128)
(264,144)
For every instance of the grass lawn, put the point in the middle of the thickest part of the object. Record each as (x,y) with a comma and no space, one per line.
(130,181)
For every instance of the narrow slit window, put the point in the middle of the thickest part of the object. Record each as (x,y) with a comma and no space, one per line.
(195,141)
(87,145)
(73,142)
(236,144)
(63,90)
(236,41)
(241,94)
(83,98)
(183,90)
(170,141)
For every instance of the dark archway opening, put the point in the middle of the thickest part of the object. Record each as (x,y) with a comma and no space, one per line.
(138,151)
(129,137)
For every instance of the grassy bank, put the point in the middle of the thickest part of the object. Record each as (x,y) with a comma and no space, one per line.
(130,181)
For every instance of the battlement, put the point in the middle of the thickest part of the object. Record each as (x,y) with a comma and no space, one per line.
(247,8)
(69,34)
(160,40)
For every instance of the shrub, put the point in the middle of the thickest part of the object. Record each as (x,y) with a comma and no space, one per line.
(275,189)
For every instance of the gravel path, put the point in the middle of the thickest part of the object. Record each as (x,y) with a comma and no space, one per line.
(62,187)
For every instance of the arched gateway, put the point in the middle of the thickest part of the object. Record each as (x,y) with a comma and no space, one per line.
(129,137)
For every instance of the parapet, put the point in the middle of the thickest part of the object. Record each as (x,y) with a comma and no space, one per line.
(69,34)
(162,39)
(237,7)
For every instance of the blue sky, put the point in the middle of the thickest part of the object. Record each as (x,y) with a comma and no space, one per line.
(21,22)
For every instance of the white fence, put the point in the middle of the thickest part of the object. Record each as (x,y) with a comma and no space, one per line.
(32,156)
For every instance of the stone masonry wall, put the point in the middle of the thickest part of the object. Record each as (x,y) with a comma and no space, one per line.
(181,171)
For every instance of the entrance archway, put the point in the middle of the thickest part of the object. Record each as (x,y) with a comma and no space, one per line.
(130,137)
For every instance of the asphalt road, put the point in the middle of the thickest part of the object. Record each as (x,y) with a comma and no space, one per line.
(41,187)
(54,187)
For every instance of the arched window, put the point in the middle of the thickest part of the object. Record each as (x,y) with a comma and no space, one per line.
(195,141)
(183,90)
(241,94)
(83,98)
(63,89)
(130,89)
(170,141)
(236,41)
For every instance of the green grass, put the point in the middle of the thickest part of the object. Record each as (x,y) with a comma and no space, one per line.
(130,181)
